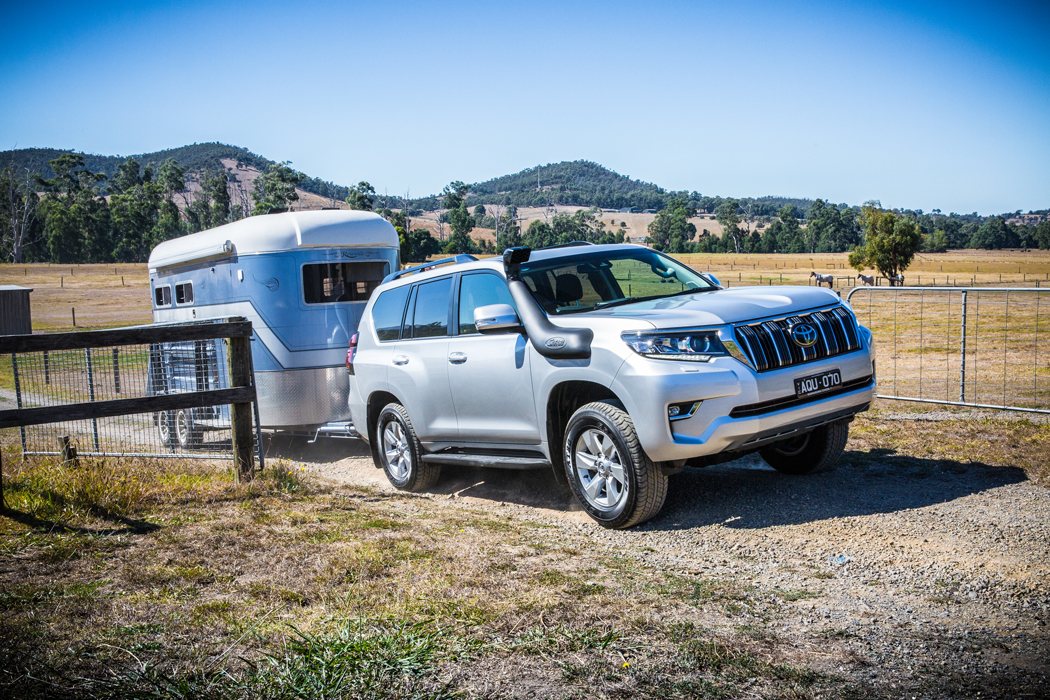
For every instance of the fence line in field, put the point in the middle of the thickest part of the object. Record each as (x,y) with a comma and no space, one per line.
(163,390)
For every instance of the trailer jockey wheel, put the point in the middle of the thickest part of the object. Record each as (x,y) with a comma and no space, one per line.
(186,431)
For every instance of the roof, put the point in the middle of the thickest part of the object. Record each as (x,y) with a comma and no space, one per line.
(14,288)
(278,232)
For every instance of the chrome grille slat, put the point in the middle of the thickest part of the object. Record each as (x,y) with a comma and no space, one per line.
(768,344)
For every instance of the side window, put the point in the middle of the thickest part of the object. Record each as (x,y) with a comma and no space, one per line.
(184,293)
(430,318)
(388,311)
(162,295)
(480,290)
(343,281)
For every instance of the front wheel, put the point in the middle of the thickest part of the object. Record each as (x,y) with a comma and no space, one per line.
(400,451)
(609,473)
(816,451)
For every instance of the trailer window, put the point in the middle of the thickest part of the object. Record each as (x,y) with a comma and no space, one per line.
(184,293)
(163,295)
(324,283)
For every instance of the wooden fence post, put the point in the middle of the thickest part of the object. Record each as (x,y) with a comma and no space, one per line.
(239,354)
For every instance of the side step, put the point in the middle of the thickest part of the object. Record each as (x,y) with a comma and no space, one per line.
(496,461)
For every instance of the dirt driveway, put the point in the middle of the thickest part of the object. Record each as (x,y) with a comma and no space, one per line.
(933,571)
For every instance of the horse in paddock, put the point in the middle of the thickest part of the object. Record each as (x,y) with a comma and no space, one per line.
(867,279)
(823,279)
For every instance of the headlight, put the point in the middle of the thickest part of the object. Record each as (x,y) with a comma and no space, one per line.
(692,346)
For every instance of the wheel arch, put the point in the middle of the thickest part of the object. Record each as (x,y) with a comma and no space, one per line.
(376,402)
(562,401)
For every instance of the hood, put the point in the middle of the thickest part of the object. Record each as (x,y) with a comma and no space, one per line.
(722,307)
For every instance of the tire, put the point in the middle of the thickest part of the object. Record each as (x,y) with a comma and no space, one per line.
(601,442)
(186,433)
(400,451)
(814,452)
(163,419)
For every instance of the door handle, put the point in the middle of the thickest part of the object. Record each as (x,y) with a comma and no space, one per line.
(400,359)
(457,358)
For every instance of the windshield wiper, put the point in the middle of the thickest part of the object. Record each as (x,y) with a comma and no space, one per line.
(632,300)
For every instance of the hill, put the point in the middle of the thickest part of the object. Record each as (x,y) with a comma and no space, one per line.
(195,158)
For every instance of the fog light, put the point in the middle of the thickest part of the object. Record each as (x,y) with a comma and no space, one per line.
(681,411)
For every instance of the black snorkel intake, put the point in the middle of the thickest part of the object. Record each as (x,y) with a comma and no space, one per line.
(549,340)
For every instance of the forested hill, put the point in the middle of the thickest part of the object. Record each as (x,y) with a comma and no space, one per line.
(198,157)
(579,182)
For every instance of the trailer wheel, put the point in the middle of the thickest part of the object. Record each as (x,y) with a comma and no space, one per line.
(187,433)
(164,429)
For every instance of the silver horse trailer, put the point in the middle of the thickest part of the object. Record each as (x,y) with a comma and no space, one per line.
(302,279)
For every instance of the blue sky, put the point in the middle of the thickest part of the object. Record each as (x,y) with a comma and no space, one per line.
(920,105)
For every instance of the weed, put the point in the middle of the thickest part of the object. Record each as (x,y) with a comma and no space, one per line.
(800,594)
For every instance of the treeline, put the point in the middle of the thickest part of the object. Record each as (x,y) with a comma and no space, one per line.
(77,215)
(829,228)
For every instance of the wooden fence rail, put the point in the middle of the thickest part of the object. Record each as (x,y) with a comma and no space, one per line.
(240,395)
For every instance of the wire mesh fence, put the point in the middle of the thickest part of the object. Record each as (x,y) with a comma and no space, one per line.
(57,378)
(973,346)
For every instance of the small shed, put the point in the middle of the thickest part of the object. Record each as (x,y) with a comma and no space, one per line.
(14,310)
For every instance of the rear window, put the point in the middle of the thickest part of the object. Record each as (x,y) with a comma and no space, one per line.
(388,311)
(342,281)
(430,318)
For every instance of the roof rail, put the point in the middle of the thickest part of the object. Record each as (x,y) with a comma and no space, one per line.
(573,244)
(461,258)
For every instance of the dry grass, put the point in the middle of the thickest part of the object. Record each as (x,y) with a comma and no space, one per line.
(172,580)
(1007,440)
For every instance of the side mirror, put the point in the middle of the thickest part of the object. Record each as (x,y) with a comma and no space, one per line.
(496,318)
(711,278)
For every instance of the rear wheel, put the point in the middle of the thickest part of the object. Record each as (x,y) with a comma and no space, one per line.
(400,451)
(816,451)
(609,473)
(187,434)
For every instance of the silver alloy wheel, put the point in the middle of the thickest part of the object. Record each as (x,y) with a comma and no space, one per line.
(163,428)
(182,428)
(396,448)
(600,469)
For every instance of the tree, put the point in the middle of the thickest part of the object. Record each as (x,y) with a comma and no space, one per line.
(274,190)
(459,219)
(995,234)
(362,197)
(730,220)
(539,235)
(890,243)
(671,230)
(18,214)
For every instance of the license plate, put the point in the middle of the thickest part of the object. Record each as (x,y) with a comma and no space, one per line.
(818,383)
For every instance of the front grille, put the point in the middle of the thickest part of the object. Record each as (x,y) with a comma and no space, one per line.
(768,345)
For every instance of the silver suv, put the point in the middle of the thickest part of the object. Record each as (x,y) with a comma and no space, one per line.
(614,365)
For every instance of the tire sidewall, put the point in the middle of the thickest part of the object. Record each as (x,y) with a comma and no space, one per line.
(387,415)
(581,421)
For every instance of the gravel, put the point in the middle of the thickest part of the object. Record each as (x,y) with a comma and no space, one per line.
(935,579)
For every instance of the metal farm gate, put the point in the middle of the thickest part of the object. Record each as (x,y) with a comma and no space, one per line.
(984,347)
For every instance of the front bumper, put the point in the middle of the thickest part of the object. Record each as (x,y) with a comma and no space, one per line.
(765,410)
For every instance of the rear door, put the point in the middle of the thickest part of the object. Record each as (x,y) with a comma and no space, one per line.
(418,370)
(489,374)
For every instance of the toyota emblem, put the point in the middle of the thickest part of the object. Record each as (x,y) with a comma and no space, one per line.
(804,335)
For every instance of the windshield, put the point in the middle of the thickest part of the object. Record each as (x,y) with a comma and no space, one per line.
(609,278)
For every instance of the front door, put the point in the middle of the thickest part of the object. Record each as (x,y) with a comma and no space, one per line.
(489,374)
